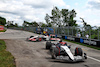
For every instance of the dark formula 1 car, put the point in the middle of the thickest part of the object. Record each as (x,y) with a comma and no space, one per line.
(34,38)
(62,52)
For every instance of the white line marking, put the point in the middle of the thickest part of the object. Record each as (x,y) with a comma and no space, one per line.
(93,58)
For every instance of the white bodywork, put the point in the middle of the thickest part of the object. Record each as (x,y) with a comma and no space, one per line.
(34,37)
(70,55)
(67,50)
(47,37)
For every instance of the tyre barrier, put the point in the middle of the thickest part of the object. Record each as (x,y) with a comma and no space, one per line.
(92,42)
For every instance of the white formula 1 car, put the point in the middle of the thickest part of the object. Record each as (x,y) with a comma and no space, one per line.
(52,37)
(64,53)
(34,38)
(43,37)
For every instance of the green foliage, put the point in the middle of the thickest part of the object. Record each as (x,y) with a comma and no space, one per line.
(94,36)
(44,25)
(62,17)
(2,21)
(47,19)
(16,25)
(33,24)
(72,15)
(2,30)
(25,23)
(85,25)
(56,16)
(49,25)
(11,24)
(65,13)
(6,59)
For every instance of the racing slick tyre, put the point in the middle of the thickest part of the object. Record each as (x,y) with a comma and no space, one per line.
(40,39)
(48,45)
(78,52)
(54,53)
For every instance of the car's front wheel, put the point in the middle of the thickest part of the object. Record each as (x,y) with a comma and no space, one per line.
(78,52)
(48,45)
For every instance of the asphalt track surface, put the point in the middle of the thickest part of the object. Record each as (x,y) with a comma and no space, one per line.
(34,54)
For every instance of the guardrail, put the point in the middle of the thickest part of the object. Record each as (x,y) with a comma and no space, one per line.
(92,42)
(67,33)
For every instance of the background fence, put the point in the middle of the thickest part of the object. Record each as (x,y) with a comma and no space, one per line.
(71,33)
(94,33)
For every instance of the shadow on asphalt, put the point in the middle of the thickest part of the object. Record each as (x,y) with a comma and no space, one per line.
(48,52)
(43,49)
(61,61)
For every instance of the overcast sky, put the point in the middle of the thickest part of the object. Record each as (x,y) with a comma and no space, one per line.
(35,10)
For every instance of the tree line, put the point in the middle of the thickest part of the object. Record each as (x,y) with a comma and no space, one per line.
(61,18)
(58,18)
(2,21)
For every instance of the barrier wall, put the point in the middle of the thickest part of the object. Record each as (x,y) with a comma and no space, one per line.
(83,40)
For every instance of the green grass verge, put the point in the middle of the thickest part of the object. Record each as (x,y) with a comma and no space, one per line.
(2,30)
(6,59)
(94,47)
